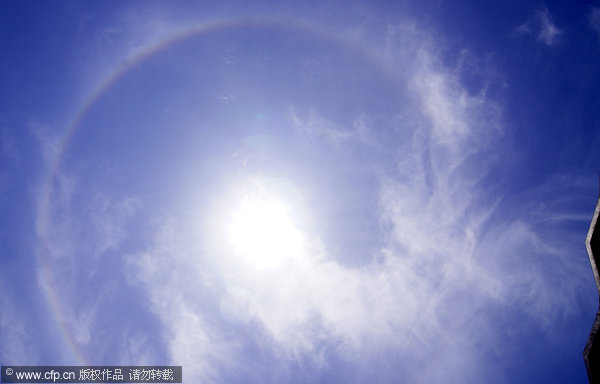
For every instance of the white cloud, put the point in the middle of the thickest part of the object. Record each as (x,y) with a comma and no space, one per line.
(178,288)
(227,98)
(542,26)
(549,33)
(319,127)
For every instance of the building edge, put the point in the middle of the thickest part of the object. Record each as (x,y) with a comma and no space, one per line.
(591,352)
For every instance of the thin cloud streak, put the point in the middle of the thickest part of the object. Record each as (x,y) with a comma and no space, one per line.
(549,33)
(542,26)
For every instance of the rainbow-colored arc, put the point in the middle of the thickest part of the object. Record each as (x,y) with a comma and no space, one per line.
(44,213)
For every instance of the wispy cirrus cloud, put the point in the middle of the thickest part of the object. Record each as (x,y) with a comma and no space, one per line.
(445,271)
(181,293)
(449,266)
(79,228)
(319,127)
(542,27)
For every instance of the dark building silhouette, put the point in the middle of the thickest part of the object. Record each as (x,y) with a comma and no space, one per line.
(591,352)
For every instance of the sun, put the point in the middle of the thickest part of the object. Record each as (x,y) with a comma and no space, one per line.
(263,233)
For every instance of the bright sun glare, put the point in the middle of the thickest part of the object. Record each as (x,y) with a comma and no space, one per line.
(263,232)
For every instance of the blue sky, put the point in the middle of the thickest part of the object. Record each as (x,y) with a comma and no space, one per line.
(278,192)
